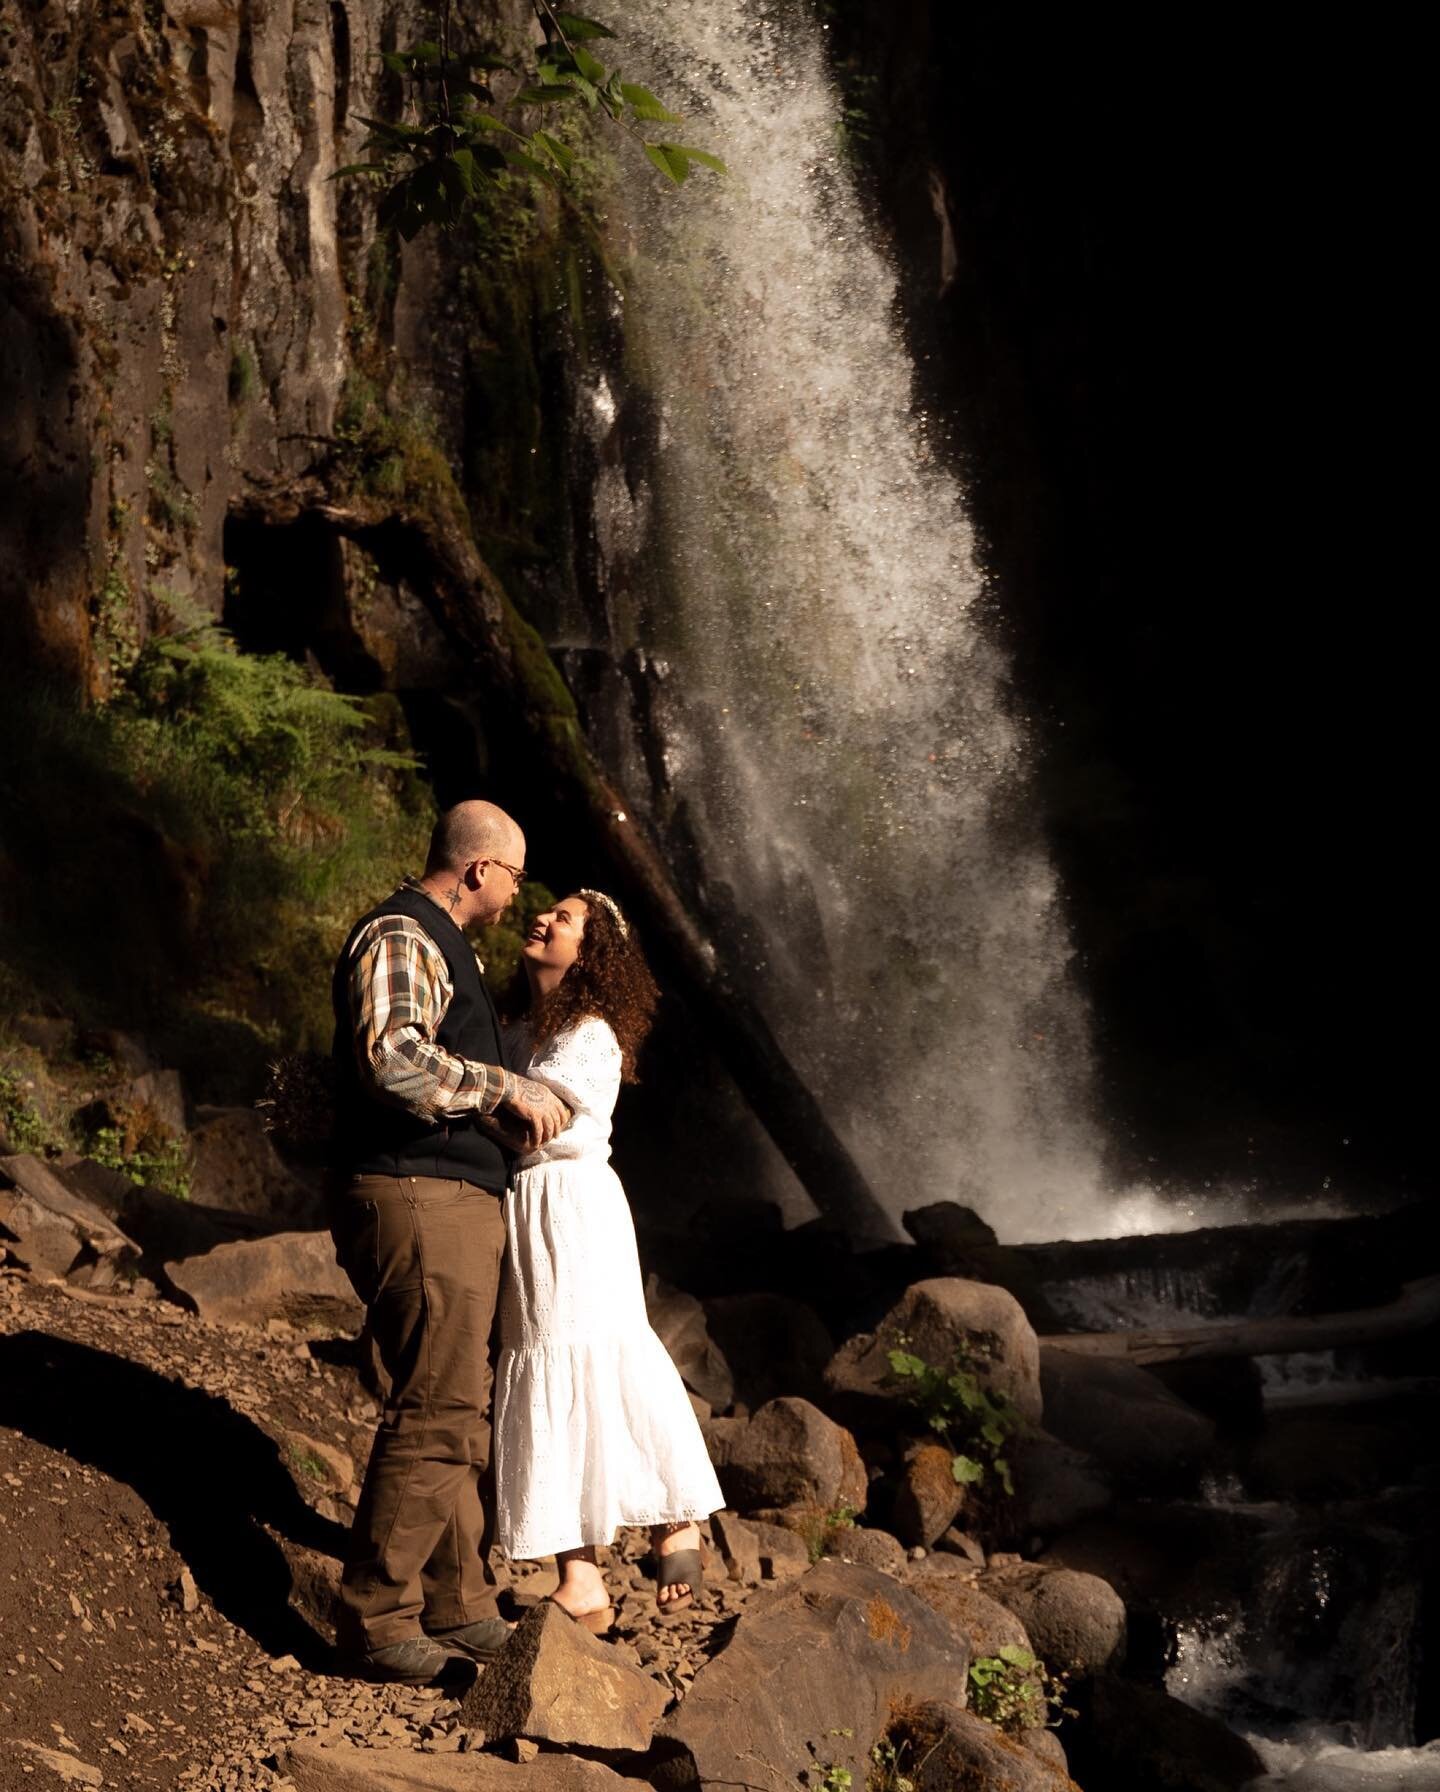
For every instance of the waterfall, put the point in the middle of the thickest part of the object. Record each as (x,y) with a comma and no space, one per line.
(847,761)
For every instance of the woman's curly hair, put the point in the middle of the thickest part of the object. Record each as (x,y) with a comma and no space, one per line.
(609,978)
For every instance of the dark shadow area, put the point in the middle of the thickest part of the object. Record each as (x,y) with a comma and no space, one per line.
(1159,294)
(207,1473)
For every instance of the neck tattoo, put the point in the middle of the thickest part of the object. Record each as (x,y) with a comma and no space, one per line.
(454,898)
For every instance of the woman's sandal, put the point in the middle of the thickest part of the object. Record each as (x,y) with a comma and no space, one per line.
(682,1567)
(597,1622)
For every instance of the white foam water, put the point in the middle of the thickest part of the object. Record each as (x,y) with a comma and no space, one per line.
(849,753)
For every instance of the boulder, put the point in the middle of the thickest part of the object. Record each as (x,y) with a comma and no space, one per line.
(941,1747)
(289,1275)
(943,1319)
(989,1626)
(678,1320)
(56,1231)
(158,1095)
(739,1547)
(1048,1746)
(1056,1485)
(849,1645)
(234,1165)
(1129,1422)
(774,1346)
(1135,1735)
(783,1552)
(955,1241)
(870,1549)
(960,1543)
(554,1682)
(162,1226)
(789,1455)
(309,1767)
(50,1034)
(943,1227)
(127,1051)
(1075,1621)
(929,1499)
(314,1584)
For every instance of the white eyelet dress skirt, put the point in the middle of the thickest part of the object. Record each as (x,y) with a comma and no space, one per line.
(593,1427)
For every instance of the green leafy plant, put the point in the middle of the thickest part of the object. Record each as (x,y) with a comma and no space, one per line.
(835,1779)
(974,1422)
(455,143)
(1015,1691)
(21,1121)
(821,1527)
(890,1767)
(161,1164)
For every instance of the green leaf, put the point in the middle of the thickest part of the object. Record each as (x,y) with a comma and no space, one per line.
(375,169)
(392,133)
(485,121)
(702,156)
(463,161)
(1002,1468)
(575,26)
(901,1361)
(517,158)
(1016,1657)
(644,104)
(993,1432)
(967,1471)
(544,96)
(589,66)
(562,157)
(675,170)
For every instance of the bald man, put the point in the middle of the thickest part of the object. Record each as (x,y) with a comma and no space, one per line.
(427,1118)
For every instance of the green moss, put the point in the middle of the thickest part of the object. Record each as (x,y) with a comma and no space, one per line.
(244,377)
(389,453)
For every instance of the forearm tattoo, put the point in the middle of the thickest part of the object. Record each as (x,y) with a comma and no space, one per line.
(525,1089)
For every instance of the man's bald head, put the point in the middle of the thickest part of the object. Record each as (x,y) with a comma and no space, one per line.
(470,831)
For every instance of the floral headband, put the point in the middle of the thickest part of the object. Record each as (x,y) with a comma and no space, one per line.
(611,906)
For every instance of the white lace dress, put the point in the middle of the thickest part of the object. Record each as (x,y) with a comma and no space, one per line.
(593,1427)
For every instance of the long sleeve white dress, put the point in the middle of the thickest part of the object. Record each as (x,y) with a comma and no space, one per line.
(593,1427)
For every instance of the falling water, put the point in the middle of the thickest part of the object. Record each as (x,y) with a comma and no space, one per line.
(853,766)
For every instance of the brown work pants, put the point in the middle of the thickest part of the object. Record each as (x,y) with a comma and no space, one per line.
(424,1256)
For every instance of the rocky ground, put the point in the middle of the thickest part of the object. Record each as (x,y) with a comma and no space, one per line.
(128,1663)
(185,1409)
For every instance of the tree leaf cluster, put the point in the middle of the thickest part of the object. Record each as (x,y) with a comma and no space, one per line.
(457,139)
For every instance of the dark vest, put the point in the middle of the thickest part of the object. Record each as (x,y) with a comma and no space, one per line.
(374,1139)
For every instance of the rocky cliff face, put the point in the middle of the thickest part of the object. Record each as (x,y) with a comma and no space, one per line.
(190,302)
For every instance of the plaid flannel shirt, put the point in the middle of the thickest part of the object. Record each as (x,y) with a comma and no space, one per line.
(399,990)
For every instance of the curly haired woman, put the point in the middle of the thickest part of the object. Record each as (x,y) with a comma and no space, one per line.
(593,1427)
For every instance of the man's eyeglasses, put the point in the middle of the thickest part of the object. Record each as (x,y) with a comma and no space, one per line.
(517,872)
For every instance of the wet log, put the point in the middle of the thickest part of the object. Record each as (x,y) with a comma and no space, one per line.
(478,616)
(1417,1308)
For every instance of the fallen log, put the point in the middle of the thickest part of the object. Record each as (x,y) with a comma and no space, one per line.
(1417,1307)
